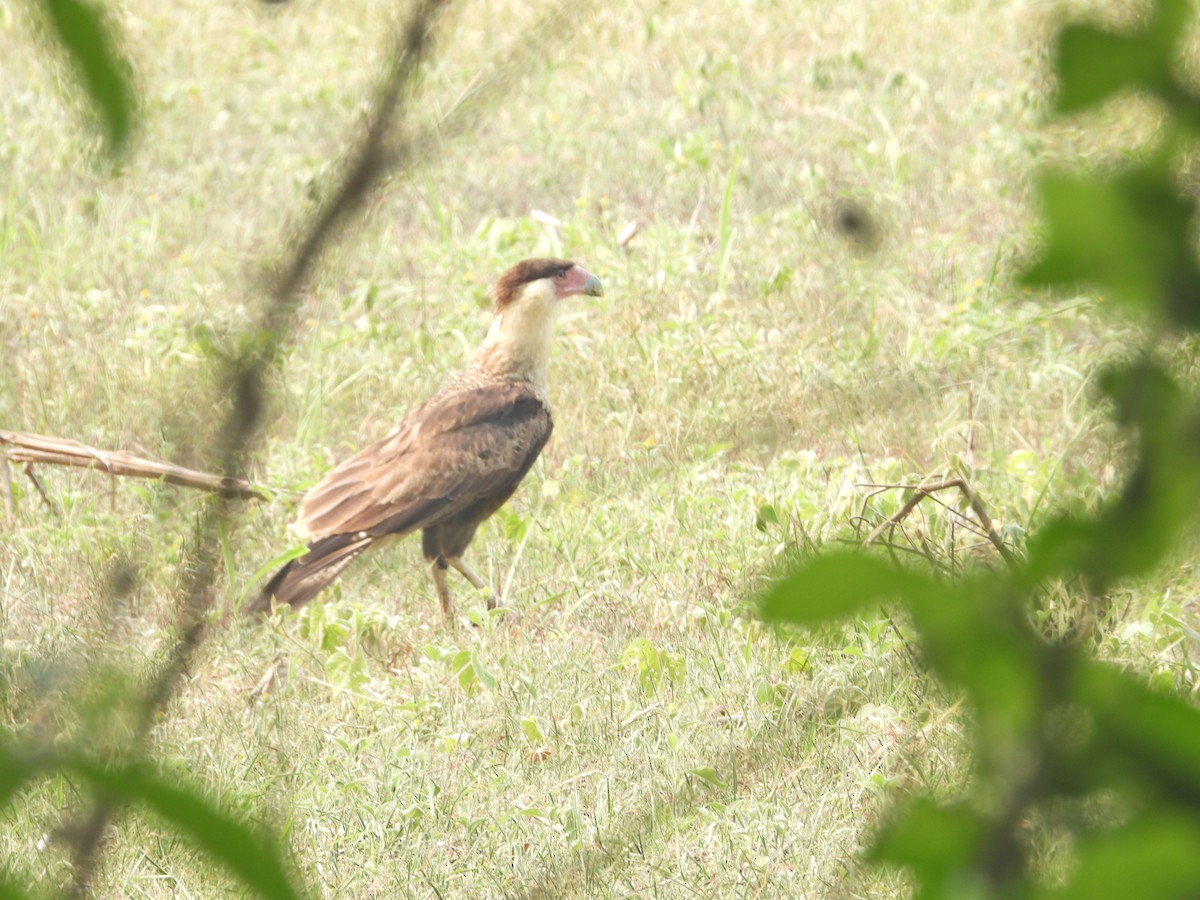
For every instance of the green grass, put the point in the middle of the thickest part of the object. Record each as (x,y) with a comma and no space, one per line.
(623,727)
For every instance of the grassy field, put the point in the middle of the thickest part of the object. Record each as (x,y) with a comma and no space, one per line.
(624,726)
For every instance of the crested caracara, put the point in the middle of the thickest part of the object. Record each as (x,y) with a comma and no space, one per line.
(452,461)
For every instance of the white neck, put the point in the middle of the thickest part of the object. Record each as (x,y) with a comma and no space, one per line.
(517,346)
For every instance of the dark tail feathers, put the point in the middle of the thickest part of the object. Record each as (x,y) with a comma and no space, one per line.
(306,576)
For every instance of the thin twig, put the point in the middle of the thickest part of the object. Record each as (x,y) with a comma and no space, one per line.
(28,470)
(923,491)
(367,162)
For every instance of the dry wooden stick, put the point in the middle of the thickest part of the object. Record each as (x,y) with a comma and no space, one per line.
(38,448)
(6,487)
(923,491)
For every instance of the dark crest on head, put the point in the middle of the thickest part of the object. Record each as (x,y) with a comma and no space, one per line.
(508,285)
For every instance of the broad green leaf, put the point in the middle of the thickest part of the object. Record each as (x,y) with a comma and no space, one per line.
(471,672)
(86,37)
(643,656)
(1132,531)
(9,891)
(1129,536)
(1128,236)
(485,677)
(1058,547)
(1094,64)
(532,729)
(934,841)
(1143,394)
(1156,736)
(1153,857)
(797,661)
(708,775)
(346,669)
(255,862)
(464,669)
(837,585)
(515,527)
(766,516)
(15,770)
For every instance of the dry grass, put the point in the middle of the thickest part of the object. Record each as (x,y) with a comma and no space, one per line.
(761,764)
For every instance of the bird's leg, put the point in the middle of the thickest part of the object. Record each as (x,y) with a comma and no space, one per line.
(478,583)
(443,586)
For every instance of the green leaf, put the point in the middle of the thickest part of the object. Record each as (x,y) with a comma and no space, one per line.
(471,672)
(15,770)
(533,730)
(797,661)
(643,656)
(1129,236)
(485,677)
(765,517)
(837,585)
(9,891)
(934,841)
(1153,856)
(464,670)
(515,528)
(708,775)
(346,669)
(1094,64)
(1134,529)
(86,38)
(1156,737)
(254,861)
(1058,548)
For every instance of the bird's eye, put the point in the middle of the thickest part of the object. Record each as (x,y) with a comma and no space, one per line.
(560,274)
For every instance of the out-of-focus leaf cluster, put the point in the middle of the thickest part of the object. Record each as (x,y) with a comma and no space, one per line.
(252,858)
(88,41)
(1054,726)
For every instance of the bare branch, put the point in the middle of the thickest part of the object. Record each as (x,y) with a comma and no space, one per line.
(923,491)
(38,448)
(28,469)
(6,486)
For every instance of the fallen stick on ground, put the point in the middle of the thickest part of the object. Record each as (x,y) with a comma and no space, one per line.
(37,448)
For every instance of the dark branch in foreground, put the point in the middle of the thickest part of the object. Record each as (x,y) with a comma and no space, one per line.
(240,424)
(386,147)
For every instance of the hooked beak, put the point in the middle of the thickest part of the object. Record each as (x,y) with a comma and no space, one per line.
(592,287)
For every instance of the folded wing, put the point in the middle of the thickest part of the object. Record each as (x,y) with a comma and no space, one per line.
(459,451)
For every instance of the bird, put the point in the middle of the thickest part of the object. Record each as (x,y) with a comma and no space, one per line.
(453,460)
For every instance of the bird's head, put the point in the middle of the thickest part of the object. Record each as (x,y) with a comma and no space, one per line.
(543,282)
(527,297)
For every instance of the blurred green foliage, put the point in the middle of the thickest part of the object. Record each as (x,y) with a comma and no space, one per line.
(254,859)
(1053,726)
(88,42)
(251,857)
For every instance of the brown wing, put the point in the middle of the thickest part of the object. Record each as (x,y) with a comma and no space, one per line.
(451,453)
